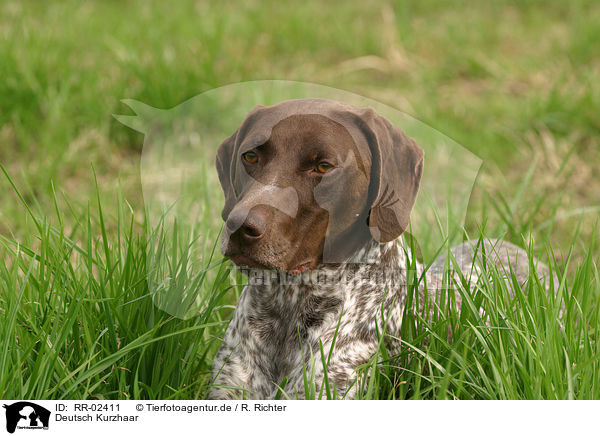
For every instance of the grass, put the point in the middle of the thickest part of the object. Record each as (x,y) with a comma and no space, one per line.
(79,321)
(500,346)
(513,83)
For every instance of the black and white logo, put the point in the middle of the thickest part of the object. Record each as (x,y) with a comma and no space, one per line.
(26,415)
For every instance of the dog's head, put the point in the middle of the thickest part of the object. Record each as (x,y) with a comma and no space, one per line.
(308,182)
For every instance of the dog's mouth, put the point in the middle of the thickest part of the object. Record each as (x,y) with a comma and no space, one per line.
(300,268)
(244,260)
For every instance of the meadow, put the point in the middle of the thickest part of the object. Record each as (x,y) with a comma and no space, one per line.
(513,83)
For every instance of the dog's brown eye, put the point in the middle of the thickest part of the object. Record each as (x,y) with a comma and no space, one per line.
(250,157)
(323,167)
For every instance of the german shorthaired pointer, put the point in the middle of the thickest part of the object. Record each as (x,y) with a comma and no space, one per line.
(317,194)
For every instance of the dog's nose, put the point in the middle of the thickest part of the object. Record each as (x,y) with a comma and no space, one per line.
(251,226)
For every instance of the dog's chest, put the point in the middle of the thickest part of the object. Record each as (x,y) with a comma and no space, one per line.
(286,323)
(286,330)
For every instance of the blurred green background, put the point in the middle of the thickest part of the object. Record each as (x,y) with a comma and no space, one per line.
(513,82)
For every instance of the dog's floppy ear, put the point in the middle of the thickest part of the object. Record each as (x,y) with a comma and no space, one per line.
(395,176)
(224,164)
(226,161)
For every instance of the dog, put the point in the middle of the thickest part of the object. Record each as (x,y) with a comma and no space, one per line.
(318,194)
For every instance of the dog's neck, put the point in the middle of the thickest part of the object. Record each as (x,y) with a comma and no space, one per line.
(374,258)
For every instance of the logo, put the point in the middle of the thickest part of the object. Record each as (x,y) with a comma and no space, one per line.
(26,415)
(180,146)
